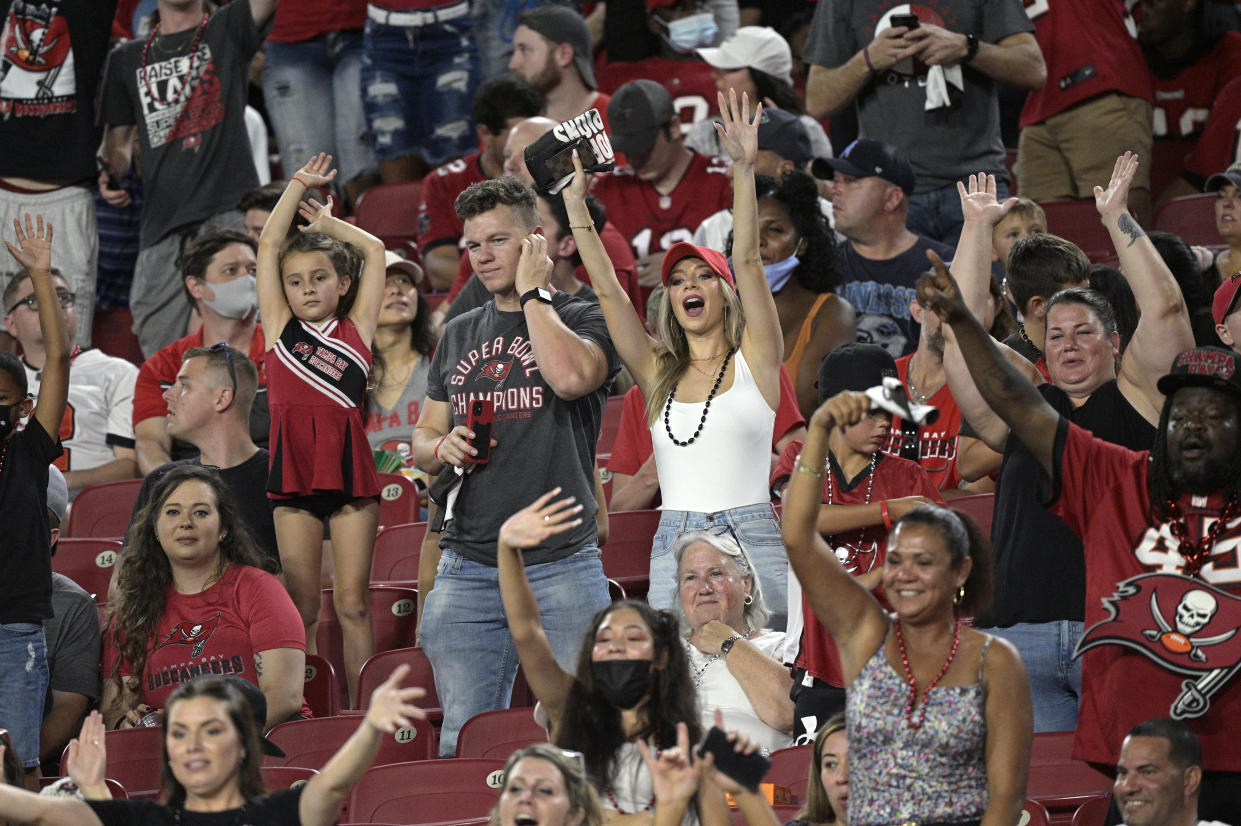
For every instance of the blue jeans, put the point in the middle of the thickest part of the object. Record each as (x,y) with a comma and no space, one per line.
(467,640)
(1055,677)
(312,94)
(937,213)
(755,528)
(23,685)
(418,85)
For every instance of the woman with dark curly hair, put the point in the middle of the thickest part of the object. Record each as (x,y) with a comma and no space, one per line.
(798,251)
(193,600)
(632,679)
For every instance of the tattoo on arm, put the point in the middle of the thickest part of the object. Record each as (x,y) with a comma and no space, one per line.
(1129,227)
(258,664)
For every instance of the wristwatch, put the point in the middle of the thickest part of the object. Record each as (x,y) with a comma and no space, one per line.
(971,47)
(537,294)
(727,645)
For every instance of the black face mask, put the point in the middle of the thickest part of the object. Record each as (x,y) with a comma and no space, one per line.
(8,420)
(623,683)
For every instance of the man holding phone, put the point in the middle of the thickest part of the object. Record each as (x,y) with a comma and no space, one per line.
(535,361)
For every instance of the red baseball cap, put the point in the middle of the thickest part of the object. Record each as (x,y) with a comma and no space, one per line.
(1225,297)
(714,258)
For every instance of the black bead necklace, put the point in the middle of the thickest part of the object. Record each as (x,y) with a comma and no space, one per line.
(705,408)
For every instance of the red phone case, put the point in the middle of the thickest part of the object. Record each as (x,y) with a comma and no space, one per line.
(482,411)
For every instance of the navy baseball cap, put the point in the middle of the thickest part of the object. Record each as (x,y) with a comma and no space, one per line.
(785,134)
(865,158)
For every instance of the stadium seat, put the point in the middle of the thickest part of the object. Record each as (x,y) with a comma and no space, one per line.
(379,667)
(611,424)
(1078,221)
(1051,747)
(103,510)
(1191,217)
(285,777)
(309,744)
(433,791)
(393,614)
(1035,814)
(398,500)
(790,768)
(89,562)
(390,211)
(135,759)
(1064,785)
(499,733)
(627,553)
(1093,812)
(397,551)
(979,507)
(322,692)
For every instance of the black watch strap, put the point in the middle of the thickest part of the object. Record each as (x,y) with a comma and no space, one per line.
(537,294)
(727,645)
(971,47)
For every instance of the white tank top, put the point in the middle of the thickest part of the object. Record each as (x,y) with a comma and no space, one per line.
(728,464)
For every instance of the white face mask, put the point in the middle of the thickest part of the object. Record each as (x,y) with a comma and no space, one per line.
(234,299)
(778,274)
(688,33)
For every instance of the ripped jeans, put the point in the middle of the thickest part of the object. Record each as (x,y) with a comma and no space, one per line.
(418,82)
(23,686)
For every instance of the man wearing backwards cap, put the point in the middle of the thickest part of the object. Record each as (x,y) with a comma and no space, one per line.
(1171,513)
(667,189)
(551,50)
(881,258)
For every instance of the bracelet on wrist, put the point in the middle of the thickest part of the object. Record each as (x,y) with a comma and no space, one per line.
(300,181)
(887,517)
(436,452)
(584,226)
(866,57)
(809,471)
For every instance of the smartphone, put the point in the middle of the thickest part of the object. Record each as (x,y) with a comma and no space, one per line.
(909,21)
(561,163)
(747,769)
(481,413)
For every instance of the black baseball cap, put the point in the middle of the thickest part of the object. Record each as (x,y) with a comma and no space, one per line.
(865,158)
(1231,175)
(785,134)
(258,708)
(1203,367)
(854,366)
(561,24)
(636,113)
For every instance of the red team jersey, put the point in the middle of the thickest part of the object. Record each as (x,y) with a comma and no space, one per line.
(1218,146)
(651,222)
(1183,103)
(936,443)
(1088,50)
(690,82)
(437,220)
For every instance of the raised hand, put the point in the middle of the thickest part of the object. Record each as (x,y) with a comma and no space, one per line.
(742,745)
(392,707)
(34,243)
(1114,200)
(674,772)
(87,759)
(845,408)
(316,214)
(318,171)
(534,523)
(575,192)
(938,292)
(739,132)
(979,203)
(534,269)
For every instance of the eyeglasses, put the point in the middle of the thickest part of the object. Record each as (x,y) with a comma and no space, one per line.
(223,347)
(63,297)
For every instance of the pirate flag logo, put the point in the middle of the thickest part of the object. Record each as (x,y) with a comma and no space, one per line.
(303,349)
(495,370)
(1185,625)
(194,634)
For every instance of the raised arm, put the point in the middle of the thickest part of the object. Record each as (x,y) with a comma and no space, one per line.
(365,311)
(634,346)
(527,528)
(762,342)
(830,90)
(1000,383)
(87,759)
(34,252)
(392,707)
(1163,328)
(20,806)
(273,306)
(572,365)
(851,614)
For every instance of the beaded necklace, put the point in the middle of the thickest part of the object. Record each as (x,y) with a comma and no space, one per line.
(846,553)
(913,683)
(1194,553)
(189,81)
(705,408)
(1021,330)
(607,790)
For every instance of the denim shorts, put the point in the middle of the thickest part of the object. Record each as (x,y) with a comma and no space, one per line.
(23,685)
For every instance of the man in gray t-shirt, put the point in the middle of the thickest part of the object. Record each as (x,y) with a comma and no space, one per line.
(928,89)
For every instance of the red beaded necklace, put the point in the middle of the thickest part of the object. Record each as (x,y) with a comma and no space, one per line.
(913,683)
(1194,553)
(189,82)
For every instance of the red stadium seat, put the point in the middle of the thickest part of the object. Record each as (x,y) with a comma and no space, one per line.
(89,562)
(379,667)
(1078,221)
(135,759)
(1093,812)
(398,500)
(433,791)
(1191,217)
(1051,747)
(390,210)
(393,614)
(627,553)
(397,551)
(285,777)
(1035,814)
(790,768)
(1063,786)
(309,744)
(322,692)
(979,507)
(103,510)
(499,733)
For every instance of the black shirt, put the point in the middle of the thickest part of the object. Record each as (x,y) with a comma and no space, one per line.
(276,809)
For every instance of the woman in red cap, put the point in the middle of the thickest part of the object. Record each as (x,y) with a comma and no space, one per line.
(711,379)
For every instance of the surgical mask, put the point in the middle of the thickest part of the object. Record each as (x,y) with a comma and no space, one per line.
(688,33)
(623,683)
(236,298)
(778,274)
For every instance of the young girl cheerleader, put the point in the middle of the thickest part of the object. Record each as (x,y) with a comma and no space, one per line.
(320,298)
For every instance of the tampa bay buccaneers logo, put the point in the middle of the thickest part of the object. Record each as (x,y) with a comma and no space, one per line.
(193,634)
(303,349)
(1185,625)
(495,370)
